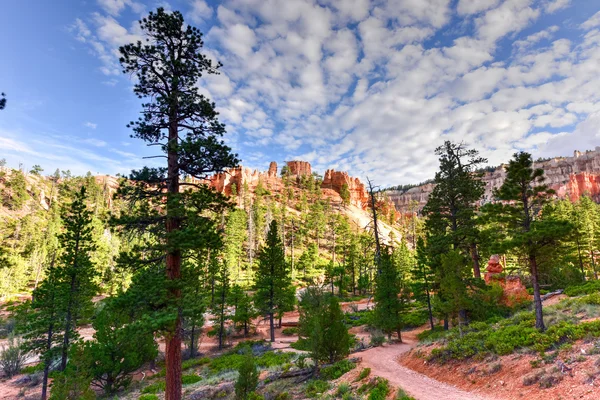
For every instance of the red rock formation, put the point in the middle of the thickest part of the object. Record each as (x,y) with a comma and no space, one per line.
(334,180)
(514,292)
(272,170)
(299,168)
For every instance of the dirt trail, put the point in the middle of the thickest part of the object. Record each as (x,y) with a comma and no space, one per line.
(383,362)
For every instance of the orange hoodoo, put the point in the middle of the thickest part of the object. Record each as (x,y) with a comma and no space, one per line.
(514,290)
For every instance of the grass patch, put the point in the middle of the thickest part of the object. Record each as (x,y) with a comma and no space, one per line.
(316,388)
(401,395)
(148,397)
(190,379)
(336,370)
(155,387)
(363,374)
(195,362)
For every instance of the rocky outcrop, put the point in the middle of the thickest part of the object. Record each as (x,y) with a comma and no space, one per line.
(514,292)
(335,180)
(570,177)
(299,168)
(272,170)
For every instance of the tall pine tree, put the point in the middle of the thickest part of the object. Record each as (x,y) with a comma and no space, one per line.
(184,125)
(273,281)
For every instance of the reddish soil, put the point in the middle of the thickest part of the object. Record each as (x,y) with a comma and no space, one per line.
(508,382)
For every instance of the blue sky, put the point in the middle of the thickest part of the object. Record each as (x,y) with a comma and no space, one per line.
(371,87)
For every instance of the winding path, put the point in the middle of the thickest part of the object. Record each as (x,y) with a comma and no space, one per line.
(383,362)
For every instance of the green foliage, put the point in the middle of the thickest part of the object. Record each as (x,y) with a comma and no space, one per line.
(119,348)
(401,395)
(378,389)
(148,397)
(12,357)
(508,335)
(74,382)
(322,324)
(365,372)
(289,331)
(195,362)
(274,292)
(190,379)
(390,298)
(155,387)
(586,288)
(247,379)
(315,388)
(336,370)
(17,190)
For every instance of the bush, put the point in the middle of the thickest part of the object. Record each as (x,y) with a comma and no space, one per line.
(190,379)
(148,397)
(290,331)
(12,357)
(195,362)
(316,387)
(336,370)
(155,387)
(380,389)
(342,389)
(401,395)
(247,379)
(377,338)
(587,288)
(363,374)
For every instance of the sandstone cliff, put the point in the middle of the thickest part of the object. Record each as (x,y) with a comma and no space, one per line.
(570,177)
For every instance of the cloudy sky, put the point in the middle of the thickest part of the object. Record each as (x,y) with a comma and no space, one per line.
(371,87)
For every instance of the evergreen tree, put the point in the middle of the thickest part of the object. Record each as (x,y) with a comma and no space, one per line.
(273,281)
(244,309)
(247,379)
(184,124)
(235,238)
(76,271)
(345,194)
(2,101)
(422,278)
(528,231)
(120,347)
(219,307)
(322,324)
(17,188)
(450,208)
(74,382)
(389,306)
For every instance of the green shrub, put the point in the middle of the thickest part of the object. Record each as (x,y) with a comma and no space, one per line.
(148,397)
(342,389)
(273,359)
(401,395)
(290,331)
(155,387)
(283,396)
(194,362)
(336,370)
(587,288)
(316,387)
(12,357)
(432,335)
(301,344)
(377,338)
(189,379)
(247,379)
(380,390)
(32,369)
(363,374)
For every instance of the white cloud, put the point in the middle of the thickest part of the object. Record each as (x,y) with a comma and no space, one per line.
(468,7)
(114,7)
(552,6)
(375,86)
(593,22)
(200,11)
(90,125)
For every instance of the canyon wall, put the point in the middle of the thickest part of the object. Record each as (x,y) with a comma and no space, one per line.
(331,186)
(570,177)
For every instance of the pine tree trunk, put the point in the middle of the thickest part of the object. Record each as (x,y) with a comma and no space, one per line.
(192,344)
(537,299)
(580,258)
(272,327)
(47,362)
(475,256)
(68,321)
(173,338)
